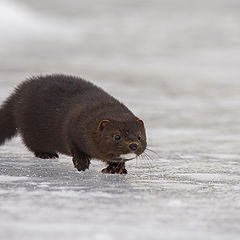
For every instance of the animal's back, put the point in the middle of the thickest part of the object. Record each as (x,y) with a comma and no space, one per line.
(41,105)
(55,89)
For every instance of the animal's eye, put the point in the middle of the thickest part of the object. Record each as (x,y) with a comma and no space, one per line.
(117,137)
(139,137)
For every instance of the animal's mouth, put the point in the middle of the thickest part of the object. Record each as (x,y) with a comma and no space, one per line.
(123,157)
(127,157)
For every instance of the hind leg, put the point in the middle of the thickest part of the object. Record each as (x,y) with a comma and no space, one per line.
(45,155)
(39,147)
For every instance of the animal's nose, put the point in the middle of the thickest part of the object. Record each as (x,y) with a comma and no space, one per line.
(133,146)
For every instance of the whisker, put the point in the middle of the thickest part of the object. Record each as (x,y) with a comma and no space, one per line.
(137,161)
(119,163)
(153,152)
(149,157)
(146,157)
(149,160)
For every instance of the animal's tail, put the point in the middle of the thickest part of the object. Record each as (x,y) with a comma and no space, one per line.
(7,122)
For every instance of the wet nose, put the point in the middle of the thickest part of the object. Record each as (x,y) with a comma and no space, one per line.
(133,146)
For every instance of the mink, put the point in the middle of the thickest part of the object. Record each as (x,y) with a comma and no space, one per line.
(69,115)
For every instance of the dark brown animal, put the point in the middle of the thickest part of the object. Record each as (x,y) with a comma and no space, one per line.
(66,114)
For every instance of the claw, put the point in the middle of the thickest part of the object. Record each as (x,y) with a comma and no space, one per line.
(115,168)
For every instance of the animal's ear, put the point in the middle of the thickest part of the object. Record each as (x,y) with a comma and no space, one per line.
(102,124)
(140,122)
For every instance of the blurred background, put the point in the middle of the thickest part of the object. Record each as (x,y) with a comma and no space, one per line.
(176,64)
(179,58)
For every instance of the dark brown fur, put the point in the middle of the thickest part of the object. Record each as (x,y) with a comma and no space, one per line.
(65,114)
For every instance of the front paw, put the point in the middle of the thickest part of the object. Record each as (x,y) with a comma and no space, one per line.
(81,165)
(115,168)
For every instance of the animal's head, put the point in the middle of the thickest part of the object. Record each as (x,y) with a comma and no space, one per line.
(120,140)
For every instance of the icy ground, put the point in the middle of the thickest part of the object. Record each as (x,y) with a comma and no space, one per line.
(176,65)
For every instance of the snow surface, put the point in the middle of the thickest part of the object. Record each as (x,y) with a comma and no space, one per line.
(176,65)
